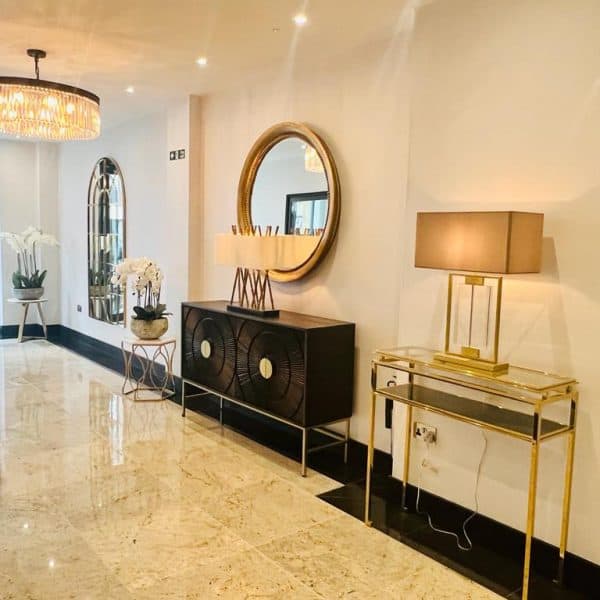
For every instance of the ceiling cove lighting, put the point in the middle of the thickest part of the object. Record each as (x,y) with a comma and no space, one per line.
(46,110)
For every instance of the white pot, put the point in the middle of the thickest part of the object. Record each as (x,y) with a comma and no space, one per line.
(149,330)
(28,293)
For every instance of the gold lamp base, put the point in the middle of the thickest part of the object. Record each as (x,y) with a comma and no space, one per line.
(472,364)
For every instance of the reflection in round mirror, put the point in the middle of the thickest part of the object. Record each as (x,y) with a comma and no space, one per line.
(290,191)
(289,183)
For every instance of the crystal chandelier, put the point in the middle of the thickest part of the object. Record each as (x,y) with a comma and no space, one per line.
(45,110)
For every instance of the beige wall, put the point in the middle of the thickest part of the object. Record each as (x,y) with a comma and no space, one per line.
(360,112)
(504,114)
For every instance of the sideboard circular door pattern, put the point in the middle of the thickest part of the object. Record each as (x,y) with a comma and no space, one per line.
(209,350)
(282,391)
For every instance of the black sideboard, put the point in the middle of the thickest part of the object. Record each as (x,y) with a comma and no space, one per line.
(296,368)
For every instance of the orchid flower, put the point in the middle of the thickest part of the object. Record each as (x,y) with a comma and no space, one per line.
(146,282)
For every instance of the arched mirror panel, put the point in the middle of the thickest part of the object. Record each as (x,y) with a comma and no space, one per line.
(106,241)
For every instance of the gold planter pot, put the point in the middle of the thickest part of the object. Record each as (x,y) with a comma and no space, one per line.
(149,330)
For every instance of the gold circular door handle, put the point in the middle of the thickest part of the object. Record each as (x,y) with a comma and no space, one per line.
(265,367)
(205,349)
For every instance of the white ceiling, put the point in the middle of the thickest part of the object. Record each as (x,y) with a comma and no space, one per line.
(107,45)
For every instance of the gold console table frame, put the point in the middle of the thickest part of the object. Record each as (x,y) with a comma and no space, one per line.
(533,390)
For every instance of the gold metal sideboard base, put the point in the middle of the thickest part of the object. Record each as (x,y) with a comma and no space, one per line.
(338,439)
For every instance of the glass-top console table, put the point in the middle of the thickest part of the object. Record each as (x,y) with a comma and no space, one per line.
(529,405)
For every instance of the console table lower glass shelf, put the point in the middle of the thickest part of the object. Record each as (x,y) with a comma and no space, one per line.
(525,404)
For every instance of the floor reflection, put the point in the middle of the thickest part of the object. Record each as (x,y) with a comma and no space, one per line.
(102,497)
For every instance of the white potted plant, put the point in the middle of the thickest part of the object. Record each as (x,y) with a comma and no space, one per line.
(149,321)
(27,280)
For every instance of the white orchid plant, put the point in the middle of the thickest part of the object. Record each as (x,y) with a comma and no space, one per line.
(27,248)
(147,279)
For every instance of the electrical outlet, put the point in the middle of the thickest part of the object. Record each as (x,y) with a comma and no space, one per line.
(427,433)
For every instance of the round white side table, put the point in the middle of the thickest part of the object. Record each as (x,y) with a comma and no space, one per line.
(154,359)
(25,304)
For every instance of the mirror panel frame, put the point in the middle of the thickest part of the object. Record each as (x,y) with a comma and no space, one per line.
(93,181)
(259,150)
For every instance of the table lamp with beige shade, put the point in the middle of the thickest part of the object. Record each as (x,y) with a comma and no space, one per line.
(254,255)
(487,245)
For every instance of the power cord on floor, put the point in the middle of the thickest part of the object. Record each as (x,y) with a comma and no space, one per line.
(425,463)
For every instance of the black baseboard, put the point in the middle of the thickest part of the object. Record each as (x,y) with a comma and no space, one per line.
(496,559)
(494,539)
(12,331)
(104,354)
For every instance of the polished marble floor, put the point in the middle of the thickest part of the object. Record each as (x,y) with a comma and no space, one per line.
(102,498)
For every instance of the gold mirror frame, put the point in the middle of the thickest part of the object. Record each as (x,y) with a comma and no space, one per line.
(259,150)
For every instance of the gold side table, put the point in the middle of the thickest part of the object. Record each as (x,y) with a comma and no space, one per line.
(515,404)
(25,305)
(151,356)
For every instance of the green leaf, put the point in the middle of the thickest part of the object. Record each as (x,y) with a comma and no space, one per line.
(143,314)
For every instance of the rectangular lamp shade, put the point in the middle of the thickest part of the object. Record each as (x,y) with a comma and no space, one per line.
(267,252)
(483,242)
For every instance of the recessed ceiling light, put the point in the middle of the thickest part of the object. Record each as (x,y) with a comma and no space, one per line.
(300,19)
(130,89)
(276,30)
(202,61)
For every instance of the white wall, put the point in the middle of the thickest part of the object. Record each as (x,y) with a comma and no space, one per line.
(156,211)
(505,115)
(28,197)
(360,113)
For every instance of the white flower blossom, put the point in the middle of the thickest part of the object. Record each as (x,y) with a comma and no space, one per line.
(146,279)
(26,246)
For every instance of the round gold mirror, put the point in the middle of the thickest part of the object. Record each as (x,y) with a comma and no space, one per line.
(289,181)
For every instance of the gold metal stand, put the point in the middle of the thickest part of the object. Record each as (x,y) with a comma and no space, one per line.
(154,359)
(525,386)
(471,357)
